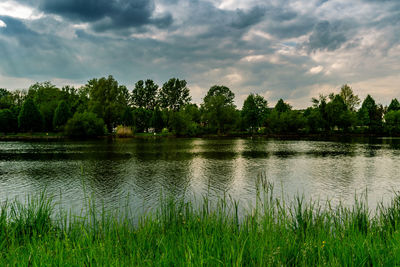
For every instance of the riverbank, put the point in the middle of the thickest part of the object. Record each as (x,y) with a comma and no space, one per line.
(274,233)
(319,136)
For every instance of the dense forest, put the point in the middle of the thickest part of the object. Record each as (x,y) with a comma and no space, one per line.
(103,106)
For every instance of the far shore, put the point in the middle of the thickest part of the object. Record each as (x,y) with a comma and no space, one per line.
(289,136)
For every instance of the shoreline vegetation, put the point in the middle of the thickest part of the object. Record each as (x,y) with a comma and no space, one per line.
(276,232)
(103,107)
(289,136)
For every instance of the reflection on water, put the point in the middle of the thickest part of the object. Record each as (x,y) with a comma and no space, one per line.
(110,170)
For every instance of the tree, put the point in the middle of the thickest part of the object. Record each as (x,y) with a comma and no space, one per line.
(392,122)
(127,117)
(338,114)
(85,124)
(61,115)
(144,95)
(350,99)
(5,99)
(174,94)
(220,90)
(30,119)
(283,119)
(157,120)
(18,97)
(394,105)
(108,100)
(46,96)
(254,111)
(314,119)
(370,114)
(182,124)
(141,119)
(289,121)
(281,106)
(7,121)
(219,112)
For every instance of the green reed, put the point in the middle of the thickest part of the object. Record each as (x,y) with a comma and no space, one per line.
(274,233)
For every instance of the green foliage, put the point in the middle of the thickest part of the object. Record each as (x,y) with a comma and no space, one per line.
(127,117)
(8,121)
(85,124)
(220,90)
(219,113)
(144,95)
(392,119)
(108,100)
(370,114)
(290,121)
(183,122)
(174,94)
(394,105)
(150,107)
(338,114)
(47,97)
(157,120)
(6,100)
(293,232)
(281,106)
(349,98)
(30,119)
(254,111)
(61,115)
(285,120)
(314,120)
(141,119)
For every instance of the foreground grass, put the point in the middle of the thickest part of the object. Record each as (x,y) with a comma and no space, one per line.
(274,233)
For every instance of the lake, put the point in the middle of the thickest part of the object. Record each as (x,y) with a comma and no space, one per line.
(135,173)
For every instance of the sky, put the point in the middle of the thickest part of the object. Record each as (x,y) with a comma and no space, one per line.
(290,49)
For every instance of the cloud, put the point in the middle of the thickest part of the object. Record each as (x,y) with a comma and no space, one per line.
(283,49)
(245,19)
(107,14)
(326,36)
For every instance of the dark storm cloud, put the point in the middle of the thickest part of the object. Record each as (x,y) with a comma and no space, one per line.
(245,19)
(261,44)
(106,14)
(26,53)
(326,36)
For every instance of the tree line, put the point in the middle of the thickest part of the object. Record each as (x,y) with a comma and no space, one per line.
(101,105)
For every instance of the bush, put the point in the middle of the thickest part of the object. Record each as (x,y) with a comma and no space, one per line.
(85,124)
(124,131)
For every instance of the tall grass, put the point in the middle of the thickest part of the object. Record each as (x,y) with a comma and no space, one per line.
(273,233)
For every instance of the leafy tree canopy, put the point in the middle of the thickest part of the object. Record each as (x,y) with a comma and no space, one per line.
(281,106)
(30,119)
(107,99)
(394,105)
(61,114)
(220,90)
(85,124)
(350,99)
(174,94)
(254,111)
(144,95)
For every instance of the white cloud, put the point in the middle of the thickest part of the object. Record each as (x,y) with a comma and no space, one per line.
(16,10)
(316,70)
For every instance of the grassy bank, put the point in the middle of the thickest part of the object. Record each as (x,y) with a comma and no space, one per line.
(275,233)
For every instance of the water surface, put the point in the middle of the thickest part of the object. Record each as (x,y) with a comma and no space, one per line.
(143,169)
